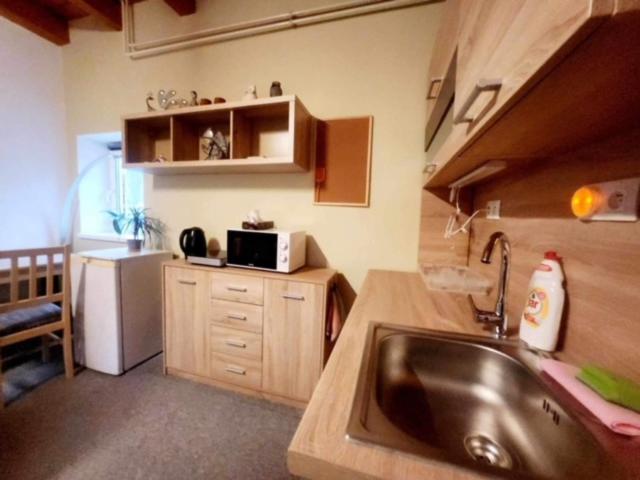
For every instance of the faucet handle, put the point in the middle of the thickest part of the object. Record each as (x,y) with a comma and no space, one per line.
(483,316)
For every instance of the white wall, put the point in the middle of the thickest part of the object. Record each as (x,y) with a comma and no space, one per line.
(34,169)
(371,65)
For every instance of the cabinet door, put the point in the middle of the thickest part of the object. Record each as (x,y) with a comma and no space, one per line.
(441,82)
(186,333)
(292,338)
(506,45)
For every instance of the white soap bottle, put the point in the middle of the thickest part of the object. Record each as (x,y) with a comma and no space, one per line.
(540,321)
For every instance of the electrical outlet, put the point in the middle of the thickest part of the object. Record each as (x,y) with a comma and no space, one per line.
(493,210)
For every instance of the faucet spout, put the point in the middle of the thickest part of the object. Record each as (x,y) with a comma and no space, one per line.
(498,318)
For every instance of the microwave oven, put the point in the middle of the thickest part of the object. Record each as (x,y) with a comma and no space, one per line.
(271,250)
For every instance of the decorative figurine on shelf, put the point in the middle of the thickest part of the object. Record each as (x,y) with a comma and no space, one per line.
(275,90)
(219,100)
(250,93)
(148,101)
(165,99)
(160,159)
(214,145)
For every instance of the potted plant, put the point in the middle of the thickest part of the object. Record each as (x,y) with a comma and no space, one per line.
(139,223)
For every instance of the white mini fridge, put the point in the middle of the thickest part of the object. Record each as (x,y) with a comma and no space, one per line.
(117,307)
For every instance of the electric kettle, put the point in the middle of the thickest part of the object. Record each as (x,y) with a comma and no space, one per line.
(193,242)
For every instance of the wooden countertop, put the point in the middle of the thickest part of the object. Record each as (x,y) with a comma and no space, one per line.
(305,274)
(319,449)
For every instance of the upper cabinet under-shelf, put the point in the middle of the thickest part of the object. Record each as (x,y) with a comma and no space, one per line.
(265,135)
(535,79)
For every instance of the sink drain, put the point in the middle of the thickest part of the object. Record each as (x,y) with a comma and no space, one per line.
(485,450)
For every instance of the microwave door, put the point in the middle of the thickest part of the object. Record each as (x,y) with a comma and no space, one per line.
(252,249)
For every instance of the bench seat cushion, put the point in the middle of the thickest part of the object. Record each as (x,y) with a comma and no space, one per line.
(26,318)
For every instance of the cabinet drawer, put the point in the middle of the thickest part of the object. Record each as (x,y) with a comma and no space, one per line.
(239,371)
(235,342)
(237,288)
(237,315)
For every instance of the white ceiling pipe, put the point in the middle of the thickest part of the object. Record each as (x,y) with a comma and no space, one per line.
(261,22)
(261,26)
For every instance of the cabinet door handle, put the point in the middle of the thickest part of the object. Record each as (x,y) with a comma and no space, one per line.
(290,296)
(233,288)
(482,86)
(187,282)
(236,316)
(236,370)
(434,81)
(235,343)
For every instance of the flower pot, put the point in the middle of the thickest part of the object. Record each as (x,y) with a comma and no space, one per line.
(134,245)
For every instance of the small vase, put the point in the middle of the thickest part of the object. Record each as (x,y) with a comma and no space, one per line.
(275,90)
(134,245)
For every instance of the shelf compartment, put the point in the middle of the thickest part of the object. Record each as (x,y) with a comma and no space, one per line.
(188,129)
(262,132)
(147,138)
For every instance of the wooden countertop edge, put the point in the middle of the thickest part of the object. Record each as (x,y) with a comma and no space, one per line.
(317,275)
(320,449)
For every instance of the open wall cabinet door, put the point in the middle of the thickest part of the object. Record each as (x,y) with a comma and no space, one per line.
(343,161)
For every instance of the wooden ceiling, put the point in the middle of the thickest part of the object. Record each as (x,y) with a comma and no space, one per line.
(50,18)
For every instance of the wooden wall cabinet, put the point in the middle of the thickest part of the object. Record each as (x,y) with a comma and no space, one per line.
(534,78)
(265,135)
(441,81)
(257,332)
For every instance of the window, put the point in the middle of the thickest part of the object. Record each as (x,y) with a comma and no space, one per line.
(105,184)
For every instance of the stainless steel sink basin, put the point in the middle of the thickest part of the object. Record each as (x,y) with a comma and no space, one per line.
(473,402)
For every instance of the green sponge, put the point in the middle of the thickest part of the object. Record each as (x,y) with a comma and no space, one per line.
(611,387)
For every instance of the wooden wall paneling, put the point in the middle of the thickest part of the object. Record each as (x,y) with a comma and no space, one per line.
(434,214)
(343,161)
(601,260)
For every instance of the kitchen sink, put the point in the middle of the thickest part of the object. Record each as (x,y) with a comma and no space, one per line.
(473,402)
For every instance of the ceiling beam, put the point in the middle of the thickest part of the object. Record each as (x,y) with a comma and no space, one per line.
(107,10)
(37,19)
(182,7)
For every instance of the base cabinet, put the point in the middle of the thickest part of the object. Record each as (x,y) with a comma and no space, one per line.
(293,338)
(185,320)
(258,332)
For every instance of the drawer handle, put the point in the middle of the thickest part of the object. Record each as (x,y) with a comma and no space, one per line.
(235,370)
(235,343)
(482,86)
(187,282)
(232,288)
(432,83)
(236,316)
(289,296)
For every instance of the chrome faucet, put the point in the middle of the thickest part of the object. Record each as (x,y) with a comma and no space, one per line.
(497,319)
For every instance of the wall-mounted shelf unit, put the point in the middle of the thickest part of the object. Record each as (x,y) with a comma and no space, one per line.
(265,135)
